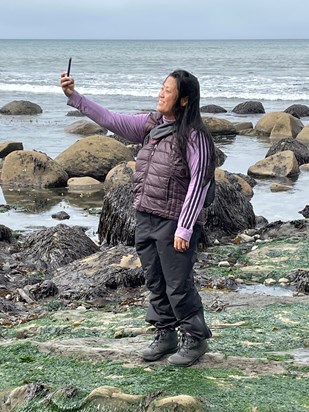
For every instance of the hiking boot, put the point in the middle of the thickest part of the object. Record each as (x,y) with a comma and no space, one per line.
(189,351)
(165,341)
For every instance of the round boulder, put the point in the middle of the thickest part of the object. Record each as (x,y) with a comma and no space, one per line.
(212,108)
(220,127)
(119,174)
(93,156)
(250,107)
(51,248)
(298,110)
(31,168)
(21,107)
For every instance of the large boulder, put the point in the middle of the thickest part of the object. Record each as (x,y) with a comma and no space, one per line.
(212,108)
(21,107)
(117,219)
(285,127)
(278,125)
(299,149)
(51,248)
(282,164)
(230,213)
(298,110)
(266,123)
(220,127)
(249,107)
(31,168)
(93,156)
(105,277)
(237,181)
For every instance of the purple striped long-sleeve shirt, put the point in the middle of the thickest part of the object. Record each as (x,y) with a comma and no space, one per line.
(131,127)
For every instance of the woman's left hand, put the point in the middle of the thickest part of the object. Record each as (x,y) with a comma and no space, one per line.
(181,245)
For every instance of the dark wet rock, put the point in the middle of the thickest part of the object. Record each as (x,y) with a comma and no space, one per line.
(300,150)
(261,221)
(48,249)
(61,215)
(305,211)
(220,157)
(114,271)
(42,290)
(117,221)
(298,110)
(75,113)
(249,179)
(8,147)
(4,282)
(281,230)
(240,183)
(300,279)
(21,107)
(212,108)
(230,213)
(204,280)
(249,108)
(5,208)
(10,308)
(6,234)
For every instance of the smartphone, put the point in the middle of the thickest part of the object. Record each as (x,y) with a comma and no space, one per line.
(69,67)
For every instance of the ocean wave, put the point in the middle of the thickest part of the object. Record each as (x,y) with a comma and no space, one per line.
(28,88)
(143,91)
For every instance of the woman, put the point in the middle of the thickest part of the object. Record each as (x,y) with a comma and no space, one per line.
(173,172)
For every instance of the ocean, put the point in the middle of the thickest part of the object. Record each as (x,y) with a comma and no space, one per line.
(125,76)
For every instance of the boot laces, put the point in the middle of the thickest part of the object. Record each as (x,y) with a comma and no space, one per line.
(159,334)
(186,342)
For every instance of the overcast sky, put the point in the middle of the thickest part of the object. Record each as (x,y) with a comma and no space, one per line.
(149,19)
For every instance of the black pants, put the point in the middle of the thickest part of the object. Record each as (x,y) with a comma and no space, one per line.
(174,299)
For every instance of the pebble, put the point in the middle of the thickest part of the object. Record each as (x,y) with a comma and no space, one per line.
(269,282)
(224,264)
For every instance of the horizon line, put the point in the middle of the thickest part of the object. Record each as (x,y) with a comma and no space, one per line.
(153,39)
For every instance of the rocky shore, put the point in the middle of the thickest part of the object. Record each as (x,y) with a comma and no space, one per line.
(72,310)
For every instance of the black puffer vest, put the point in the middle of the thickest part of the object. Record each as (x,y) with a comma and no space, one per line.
(161,178)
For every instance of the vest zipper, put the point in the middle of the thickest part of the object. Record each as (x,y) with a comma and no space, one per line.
(146,174)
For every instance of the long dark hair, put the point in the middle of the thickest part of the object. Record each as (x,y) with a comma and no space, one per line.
(188,117)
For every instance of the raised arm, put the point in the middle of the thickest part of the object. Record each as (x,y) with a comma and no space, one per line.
(129,126)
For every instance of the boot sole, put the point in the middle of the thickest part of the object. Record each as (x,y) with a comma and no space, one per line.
(183,365)
(160,355)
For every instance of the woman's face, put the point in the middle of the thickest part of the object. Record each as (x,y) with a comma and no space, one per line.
(167,98)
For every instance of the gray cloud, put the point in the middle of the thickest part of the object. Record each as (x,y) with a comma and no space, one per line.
(138,19)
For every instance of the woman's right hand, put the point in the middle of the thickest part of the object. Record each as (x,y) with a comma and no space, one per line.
(67,84)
